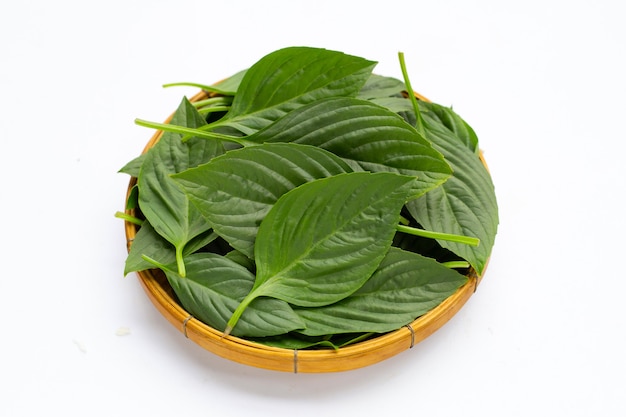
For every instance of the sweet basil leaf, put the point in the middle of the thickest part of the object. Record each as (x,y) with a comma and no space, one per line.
(215,285)
(163,203)
(289,78)
(235,191)
(439,117)
(230,85)
(405,286)
(378,86)
(132,167)
(149,243)
(399,105)
(464,205)
(368,137)
(345,339)
(321,241)
(295,341)
(299,341)
(241,259)
(132,202)
(388,92)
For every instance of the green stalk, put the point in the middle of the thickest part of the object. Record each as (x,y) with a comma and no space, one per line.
(204,87)
(163,267)
(128,218)
(166,127)
(438,235)
(358,339)
(238,312)
(206,110)
(420,121)
(456,264)
(180,262)
(226,101)
(154,262)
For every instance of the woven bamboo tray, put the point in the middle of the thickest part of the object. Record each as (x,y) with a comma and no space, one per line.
(258,355)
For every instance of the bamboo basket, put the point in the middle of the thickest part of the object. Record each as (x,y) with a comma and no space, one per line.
(245,352)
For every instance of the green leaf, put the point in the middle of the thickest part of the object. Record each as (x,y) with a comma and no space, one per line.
(235,191)
(378,86)
(300,341)
(367,136)
(398,105)
(321,241)
(405,286)
(241,259)
(132,202)
(296,341)
(388,92)
(444,118)
(230,85)
(132,167)
(292,77)
(149,243)
(163,203)
(439,117)
(213,288)
(464,205)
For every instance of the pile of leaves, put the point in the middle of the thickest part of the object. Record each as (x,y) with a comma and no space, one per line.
(308,202)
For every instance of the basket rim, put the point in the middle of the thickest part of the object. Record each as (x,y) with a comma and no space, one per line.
(358,355)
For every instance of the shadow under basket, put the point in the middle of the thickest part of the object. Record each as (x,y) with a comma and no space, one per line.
(242,351)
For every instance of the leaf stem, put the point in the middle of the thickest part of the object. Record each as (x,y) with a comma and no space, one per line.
(226,101)
(239,311)
(215,109)
(166,127)
(164,267)
(357,339)
(411,93)
(154,262)
(204,87)
(128,218)
(438,235)
(456,264)
(180,262)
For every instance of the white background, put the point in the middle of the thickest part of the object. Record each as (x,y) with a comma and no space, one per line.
(541,82)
